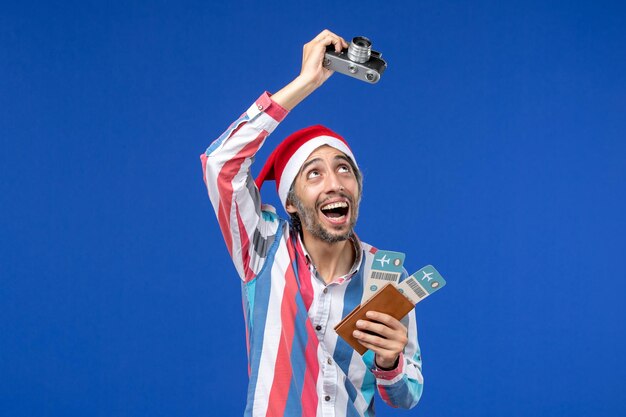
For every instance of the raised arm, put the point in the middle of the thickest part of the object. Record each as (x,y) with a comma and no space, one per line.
(248,231)
(313,74)
(236,200)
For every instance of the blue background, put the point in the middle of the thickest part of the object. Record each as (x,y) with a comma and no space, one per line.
(493,148)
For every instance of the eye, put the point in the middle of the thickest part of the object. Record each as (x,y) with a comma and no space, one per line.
(314,173)
(342,169)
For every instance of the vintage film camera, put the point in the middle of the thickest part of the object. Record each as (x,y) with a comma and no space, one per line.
(358,60)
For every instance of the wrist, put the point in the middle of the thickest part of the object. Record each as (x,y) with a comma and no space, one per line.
(294,92)
(304,84)
(388,364)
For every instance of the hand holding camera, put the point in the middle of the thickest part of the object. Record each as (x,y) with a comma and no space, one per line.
(324,55)
(313,53)
(358,60)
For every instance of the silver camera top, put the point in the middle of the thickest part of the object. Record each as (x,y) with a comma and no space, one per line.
(358,60)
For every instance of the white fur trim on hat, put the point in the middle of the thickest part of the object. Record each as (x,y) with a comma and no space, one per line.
(300,156)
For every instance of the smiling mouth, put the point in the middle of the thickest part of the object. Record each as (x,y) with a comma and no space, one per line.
(335,211)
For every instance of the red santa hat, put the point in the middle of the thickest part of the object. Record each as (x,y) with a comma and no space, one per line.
(285,161)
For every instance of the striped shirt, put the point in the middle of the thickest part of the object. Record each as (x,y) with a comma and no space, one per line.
(297,364)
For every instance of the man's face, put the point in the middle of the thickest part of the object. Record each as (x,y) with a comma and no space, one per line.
(326,195)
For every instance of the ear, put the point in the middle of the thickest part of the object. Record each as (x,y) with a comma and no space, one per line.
(290,207)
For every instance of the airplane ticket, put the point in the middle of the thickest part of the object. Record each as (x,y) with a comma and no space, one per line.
(421,284)
(386,268)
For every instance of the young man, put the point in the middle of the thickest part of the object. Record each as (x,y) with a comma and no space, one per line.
(299,279)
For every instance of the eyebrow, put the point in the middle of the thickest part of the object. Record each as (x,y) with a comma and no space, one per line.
(343,157)
(306,164)
(314,160)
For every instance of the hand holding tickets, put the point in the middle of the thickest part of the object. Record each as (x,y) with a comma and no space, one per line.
(384,294)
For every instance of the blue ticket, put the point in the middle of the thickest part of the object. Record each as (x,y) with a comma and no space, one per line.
(387,267)
(421,284)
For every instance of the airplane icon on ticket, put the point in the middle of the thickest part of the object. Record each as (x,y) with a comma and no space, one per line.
(384,260)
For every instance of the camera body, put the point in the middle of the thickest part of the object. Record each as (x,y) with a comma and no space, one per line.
(358,60)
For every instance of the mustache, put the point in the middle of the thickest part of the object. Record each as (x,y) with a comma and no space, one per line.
(337,194)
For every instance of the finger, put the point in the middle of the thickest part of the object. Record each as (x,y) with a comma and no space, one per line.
(344,44)
(385,346)
(331,39)
(323,34)
(382,330)
(328,39)
(339,43)
(370,326)
(377,349)
(376,340)
(386,319)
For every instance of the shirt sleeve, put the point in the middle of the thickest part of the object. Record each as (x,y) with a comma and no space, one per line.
(402,387)
(248,228)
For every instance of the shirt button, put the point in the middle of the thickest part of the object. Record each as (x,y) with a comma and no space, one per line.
(260,107)
(318,327)
(325,290)
(327,398)
(329,361)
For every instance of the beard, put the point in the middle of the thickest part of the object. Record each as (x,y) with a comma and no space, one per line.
(309,220)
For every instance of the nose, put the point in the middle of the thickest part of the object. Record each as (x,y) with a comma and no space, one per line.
(333,182)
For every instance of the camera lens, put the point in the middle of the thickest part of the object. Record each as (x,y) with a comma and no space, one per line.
(360,49)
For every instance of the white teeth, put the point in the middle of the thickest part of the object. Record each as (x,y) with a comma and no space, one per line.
(335,205)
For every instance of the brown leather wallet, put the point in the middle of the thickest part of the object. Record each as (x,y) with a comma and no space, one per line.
(388,300)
